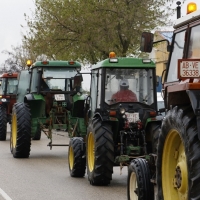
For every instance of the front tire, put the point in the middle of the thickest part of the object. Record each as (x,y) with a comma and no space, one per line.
(76,157)
(20,131)
(139,185)
(178,156)
(3,123)
(100,153)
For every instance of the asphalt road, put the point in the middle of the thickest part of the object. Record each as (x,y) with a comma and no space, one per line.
(45,175)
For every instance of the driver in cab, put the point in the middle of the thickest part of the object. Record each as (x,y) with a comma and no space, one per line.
(124,95)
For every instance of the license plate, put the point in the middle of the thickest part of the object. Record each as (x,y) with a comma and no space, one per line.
(59,97)
(132,117)
(188,68)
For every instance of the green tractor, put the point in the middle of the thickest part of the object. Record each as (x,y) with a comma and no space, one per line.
(119,128)
(48,97)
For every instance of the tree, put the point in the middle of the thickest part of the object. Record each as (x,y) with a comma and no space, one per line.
(87,30)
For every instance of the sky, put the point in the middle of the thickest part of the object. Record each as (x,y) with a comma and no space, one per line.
(12,17)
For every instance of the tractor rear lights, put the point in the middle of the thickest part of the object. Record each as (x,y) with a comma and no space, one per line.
(112,113)
(139,125)
(191,7)
(152,113)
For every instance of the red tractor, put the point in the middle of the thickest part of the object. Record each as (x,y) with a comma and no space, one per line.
(8,92)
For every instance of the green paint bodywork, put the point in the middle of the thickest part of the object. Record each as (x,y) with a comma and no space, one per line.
(124,62)
(60,116)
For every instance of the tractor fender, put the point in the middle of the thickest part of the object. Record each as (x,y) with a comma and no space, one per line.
(98,115)
(28,97)
(157,119)
(194,96)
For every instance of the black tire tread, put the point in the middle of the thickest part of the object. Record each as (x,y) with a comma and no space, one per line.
(184,120)
(3,123)
(79,159)
(22,149)
(104,154)
(145,188)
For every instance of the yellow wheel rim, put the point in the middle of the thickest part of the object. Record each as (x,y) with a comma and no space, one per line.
(133,186)
(174,168)
(14,131)
(91,152)
(71,158)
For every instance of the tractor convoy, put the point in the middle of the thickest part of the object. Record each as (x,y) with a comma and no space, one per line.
(118,123)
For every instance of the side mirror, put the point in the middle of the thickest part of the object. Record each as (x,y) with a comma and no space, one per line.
(77,80)
(146,43)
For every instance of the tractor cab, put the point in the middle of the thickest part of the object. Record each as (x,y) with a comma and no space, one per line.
(8,84)
(127,84)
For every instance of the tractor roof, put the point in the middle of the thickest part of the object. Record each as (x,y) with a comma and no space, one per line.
(124,62)
(56,64)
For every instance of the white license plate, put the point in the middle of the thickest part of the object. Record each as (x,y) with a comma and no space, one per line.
(59,97)
(189,68)
(132,117)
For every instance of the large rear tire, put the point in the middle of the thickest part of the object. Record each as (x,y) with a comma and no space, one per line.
(20,131)
(76,157)
(139,185)
(3,123)
(155,131)
(100,153)
(178,158)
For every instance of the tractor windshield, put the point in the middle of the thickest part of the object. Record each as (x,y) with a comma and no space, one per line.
(9,86)
(58,78)
(129,85)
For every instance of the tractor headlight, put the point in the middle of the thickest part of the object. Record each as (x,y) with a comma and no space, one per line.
(122,110)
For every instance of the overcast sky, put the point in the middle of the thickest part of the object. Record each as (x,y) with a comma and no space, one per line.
(12,17)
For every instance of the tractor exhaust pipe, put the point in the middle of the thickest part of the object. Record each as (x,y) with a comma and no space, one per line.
(178,9)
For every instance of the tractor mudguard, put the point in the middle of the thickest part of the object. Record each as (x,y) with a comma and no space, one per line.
(29,97)
(158,118)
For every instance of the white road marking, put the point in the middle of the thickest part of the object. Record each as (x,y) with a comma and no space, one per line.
(4,195)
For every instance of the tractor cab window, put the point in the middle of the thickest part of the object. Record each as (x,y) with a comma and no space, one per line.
(9,85)
(35,80)
(177,53)
(12,86)
(129,85)
(194,44)
(58,78)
